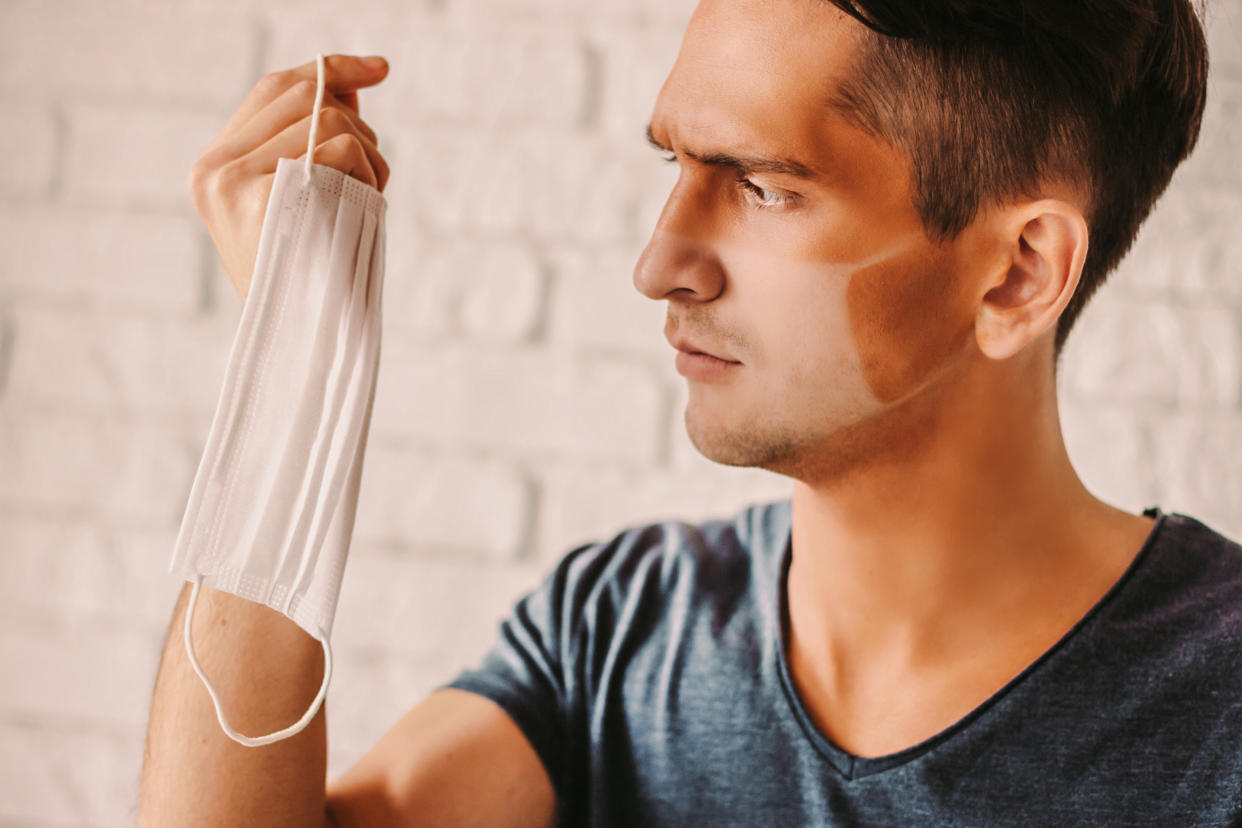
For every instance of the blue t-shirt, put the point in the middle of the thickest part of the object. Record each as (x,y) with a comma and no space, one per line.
(650,675)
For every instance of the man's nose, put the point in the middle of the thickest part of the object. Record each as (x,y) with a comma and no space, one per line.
(678,262)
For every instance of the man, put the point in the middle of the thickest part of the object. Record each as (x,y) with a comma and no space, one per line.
(886,221)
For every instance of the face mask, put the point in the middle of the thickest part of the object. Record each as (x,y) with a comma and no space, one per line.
(272,507)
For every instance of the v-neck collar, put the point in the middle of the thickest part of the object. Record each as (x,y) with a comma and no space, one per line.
(852,766)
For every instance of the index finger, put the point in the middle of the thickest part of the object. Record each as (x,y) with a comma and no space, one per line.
(342,75)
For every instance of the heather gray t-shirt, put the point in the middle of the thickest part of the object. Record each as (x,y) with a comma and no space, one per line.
(649,672)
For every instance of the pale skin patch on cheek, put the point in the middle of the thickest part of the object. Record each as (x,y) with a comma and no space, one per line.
(908,317)
(801,330)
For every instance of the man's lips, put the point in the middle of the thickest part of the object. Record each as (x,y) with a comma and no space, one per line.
(688,347)
(695,363)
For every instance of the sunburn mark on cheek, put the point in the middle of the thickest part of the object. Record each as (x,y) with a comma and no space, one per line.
(907,318)
(838,340)
(812,311)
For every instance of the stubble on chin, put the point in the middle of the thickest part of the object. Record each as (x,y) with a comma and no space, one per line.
(829,455)
(753,444)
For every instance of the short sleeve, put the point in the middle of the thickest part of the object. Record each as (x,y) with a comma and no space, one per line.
(530,671)
(597,624)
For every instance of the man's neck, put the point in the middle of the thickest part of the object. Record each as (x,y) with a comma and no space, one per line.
(973,550)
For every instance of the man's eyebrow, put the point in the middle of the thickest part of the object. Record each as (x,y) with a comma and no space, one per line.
(761,164)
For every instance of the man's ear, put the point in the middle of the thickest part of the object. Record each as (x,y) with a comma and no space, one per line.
(1044,246)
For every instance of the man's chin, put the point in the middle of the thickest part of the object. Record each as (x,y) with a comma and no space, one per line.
(778,448)
(744,447)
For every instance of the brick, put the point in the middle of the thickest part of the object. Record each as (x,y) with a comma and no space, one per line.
(628,11)
(490,291)
(521,402)
(125,363)
(106,261)
(502,300)
(87,573)
(484,70)
(7,334)
(136,474)
(1153,351)
(1111,452)
(134,155)
(370,692)
(56,773)
(485,66)
(580,503)
(675,12)
(1224,31)
(270,12)
(554,185)
(79,672)
(425,609)
(1188,246)
(594,303)
(28,157)
(422,303)
(156,51)
(636,60)
(449,505)
(490,72)
(1196,467)
(1213,161)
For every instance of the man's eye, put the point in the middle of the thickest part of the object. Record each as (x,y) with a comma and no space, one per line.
(761,196)
(670,158)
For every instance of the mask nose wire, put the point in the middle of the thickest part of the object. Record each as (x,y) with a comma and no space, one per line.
(314,127)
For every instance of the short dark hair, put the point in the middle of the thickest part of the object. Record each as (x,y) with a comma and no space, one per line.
(990,98)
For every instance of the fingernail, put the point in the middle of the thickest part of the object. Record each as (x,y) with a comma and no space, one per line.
(374,61)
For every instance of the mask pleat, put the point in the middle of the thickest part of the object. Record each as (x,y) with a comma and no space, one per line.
(335,351)
(351,381)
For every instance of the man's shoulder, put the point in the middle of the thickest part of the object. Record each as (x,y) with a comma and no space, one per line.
(759,528)
(1190,587)
(664,555)
(1191,532)
(1205,563)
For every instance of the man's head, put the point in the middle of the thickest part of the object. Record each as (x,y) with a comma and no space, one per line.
(861,221)
(993,99)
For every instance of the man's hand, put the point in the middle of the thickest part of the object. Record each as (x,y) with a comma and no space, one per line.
(231,182)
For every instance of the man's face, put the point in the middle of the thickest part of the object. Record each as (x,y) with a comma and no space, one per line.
(790,248)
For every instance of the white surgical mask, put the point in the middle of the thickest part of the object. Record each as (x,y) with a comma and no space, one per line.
(272,507)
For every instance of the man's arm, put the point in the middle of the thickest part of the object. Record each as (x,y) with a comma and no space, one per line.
(266,671)
(455,759)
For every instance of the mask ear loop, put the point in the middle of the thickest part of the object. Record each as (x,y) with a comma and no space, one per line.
(314,127)
(254,741)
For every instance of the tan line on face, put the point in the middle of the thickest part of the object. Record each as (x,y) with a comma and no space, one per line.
(908,317)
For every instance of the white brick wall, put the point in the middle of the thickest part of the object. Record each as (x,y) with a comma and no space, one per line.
(526,401)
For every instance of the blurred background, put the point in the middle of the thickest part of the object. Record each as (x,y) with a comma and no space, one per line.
(526,399)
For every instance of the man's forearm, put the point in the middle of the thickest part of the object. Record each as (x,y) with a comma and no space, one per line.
(266,671)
